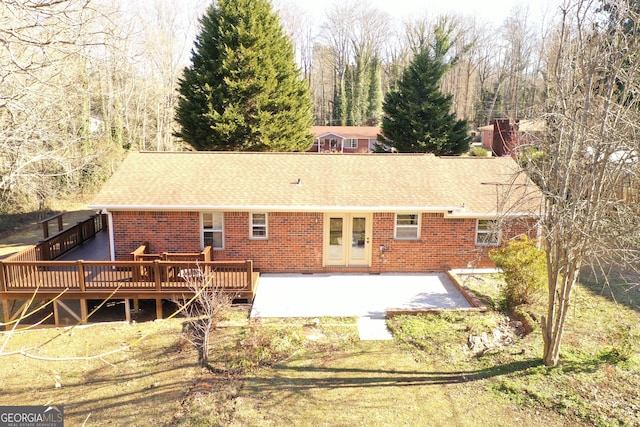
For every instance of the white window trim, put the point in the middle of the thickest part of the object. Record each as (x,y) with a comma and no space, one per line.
(489,231)
(351,143)
(265,226)
(212,230)
(396,226)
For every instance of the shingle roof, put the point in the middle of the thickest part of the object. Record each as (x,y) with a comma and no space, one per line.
(251,181)
(370,132)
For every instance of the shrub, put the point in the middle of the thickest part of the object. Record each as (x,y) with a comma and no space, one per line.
(624,339)
(479,152)
(266,346)
(525,271)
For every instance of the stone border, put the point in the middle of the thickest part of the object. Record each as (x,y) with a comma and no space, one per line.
(472,299)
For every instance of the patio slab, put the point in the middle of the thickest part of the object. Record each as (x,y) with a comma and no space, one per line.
(342,295)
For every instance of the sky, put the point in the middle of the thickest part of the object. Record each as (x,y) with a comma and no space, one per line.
(494,11)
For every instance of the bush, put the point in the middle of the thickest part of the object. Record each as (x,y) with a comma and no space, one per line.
(525,271)
(266,346)
(479,152)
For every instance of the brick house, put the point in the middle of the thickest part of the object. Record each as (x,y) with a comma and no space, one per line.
(300,212)
(503,136)
(343,139)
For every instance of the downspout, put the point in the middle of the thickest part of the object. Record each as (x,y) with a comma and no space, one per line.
(112,248)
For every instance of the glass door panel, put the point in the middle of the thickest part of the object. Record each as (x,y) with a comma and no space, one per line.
(336,241)
(358,240)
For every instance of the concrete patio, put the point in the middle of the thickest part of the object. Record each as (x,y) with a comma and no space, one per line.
(337,295)
(367,296)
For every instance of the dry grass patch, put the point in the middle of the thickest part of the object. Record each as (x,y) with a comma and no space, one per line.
(131,387)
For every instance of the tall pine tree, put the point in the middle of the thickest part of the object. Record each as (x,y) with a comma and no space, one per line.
(243,91)
(417,117)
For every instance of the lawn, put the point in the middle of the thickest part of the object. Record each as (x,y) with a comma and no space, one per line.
(299,372)
(464,369)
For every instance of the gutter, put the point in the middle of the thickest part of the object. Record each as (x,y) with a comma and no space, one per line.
(278,208)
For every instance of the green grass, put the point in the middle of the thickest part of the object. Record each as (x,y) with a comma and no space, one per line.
(305,372)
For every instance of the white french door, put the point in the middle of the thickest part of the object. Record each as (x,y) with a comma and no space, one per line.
(347,239)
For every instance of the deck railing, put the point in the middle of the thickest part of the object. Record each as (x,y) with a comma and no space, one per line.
(145,276)
(65,240)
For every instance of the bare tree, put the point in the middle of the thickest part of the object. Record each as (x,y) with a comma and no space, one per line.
(589,154)
(44,122)
(203,311)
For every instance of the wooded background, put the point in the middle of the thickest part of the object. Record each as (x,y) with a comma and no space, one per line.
(83,81)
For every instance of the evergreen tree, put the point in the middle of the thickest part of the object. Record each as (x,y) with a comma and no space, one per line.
(243,91)
(374,104)
(340,103)
(417,117)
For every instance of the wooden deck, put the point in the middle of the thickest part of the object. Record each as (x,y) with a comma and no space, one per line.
(96,249)
(84,272)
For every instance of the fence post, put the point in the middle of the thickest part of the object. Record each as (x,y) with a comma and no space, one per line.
(59,222)
(81,275)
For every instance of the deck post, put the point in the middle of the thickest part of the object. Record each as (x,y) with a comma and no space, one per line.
(249,274)
(156,271)
(5,313)
(3,277)
(158,308)
(59,222)
(84,310)
(80,228)
(127,310)
(45,229)
(45,252)
(81,275)
(56,314)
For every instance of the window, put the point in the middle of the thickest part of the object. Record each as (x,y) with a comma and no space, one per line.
(213,229)
(487,232)
(407,226)
(351,143)
(258,226)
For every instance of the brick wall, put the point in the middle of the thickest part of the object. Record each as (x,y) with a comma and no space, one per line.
(443,244)
(164,231)
(295,241)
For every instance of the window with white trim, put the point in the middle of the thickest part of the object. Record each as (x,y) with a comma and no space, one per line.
(258,226)
(213,229)
(407,226)
(351,143)
(487,232)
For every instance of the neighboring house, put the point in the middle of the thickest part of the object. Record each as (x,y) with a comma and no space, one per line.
(502,137)
(344,139)
(305,213)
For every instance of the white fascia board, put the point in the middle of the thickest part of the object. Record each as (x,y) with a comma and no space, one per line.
(263,208)
(494,215)
(330,135)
